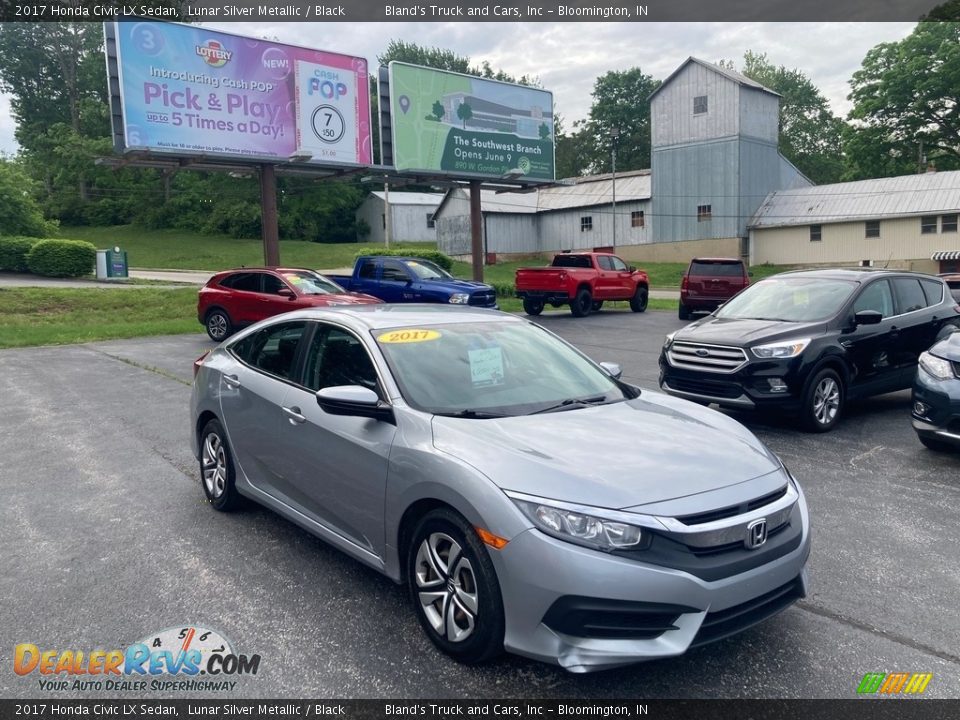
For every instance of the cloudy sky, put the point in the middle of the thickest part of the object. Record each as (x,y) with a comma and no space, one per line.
(568,57)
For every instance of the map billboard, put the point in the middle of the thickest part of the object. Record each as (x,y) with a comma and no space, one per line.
(460,125)
(187,90)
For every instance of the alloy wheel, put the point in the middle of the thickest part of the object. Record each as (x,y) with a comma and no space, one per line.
(446,587)
(826,401)
(217,326)
(214,465)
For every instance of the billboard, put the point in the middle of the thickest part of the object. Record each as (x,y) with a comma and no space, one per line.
(461,125)
(187,90)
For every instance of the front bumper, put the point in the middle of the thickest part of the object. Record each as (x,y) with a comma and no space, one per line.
(749,388)
(940,420)
(549,586)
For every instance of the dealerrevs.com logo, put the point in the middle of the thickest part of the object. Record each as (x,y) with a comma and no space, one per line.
(188,658)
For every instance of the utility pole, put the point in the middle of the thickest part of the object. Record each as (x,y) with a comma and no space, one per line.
(476,231)
(387,218)
(268,215)
(614,134)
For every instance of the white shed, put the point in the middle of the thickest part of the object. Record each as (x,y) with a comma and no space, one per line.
(411,216)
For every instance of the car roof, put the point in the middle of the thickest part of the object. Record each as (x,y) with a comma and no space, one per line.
(386,315)
(266,268)
(857,274)
(716,259)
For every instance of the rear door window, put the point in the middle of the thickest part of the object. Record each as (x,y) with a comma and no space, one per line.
(717,269)
(605,262)
(248,281)
(273,349)
(910,296)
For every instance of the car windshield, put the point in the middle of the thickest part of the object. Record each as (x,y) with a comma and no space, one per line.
(791,299)
(493,369)
(425,270)
(310,283)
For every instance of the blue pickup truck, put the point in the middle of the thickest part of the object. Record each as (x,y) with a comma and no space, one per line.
(410,279)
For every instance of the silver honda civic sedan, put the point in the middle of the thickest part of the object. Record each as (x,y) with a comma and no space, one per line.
(529,499)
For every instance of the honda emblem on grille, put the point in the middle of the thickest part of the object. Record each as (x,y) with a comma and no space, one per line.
(756,534)
(702,352)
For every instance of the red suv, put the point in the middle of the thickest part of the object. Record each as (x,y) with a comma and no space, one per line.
(710,282)
(235,298)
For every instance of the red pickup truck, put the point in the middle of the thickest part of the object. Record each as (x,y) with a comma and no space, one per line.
(584,281)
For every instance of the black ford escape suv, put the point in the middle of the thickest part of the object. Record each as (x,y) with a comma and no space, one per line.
(808,341)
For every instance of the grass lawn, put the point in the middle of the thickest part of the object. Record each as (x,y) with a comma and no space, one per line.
(58,316)
(182,250)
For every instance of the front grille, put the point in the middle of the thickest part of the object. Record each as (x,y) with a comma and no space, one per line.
(731,546)
(708,358)
(483,298)
(612,619)
(732,510)
(724,623)
(705,387)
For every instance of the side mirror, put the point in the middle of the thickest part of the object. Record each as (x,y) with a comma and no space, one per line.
(867,317)
(749,273)
(633,268)
(354,400)
(612,369)
(287,293)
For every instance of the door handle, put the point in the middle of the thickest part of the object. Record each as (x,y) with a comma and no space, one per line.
(232,380)
(294,416)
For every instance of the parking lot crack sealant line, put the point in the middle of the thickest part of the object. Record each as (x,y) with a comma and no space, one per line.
(891,636)
(141,366)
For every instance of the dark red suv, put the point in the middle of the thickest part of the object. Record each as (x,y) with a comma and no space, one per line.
(235,298)
(709,282)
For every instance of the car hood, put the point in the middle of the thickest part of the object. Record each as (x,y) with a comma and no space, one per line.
(341,299)
(744,332)
(650,449)
(948,348)
(467,286)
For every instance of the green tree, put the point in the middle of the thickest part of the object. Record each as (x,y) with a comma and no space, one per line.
(620,105)
(437,111)
(949,10)
(905,93)
(810,134)
(544,131)
(19,212)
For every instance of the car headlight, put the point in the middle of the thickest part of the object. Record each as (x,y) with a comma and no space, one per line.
(460,298)
(584,526)
(668,340)
(936,366)
(784,349)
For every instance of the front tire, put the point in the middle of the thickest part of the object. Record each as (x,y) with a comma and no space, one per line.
(638,303)
(218,325)
(217,475)
(454,589)
(823,401)
(532,306)
(581,303)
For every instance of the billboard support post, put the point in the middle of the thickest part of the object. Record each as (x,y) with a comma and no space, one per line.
(476,230)
(268,215)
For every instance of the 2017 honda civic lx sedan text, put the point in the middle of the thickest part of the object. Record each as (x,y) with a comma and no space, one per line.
(530,499)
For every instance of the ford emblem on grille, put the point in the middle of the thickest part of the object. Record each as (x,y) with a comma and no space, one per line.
(701,352)
(756,534)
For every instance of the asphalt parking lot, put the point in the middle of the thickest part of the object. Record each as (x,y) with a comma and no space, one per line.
(108,539)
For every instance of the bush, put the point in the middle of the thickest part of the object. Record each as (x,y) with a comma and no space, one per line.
(62,258)
(13,253)
(434,256)
(504,290)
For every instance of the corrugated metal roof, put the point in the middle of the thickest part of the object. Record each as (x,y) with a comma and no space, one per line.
(738,78)
(596,190)
(508,202)
(930,193)
(411,198)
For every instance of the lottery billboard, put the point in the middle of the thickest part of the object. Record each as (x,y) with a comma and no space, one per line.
(461,125)
(187,90)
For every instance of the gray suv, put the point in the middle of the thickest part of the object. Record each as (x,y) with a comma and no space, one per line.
(528,498)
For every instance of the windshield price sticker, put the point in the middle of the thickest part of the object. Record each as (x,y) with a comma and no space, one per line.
(410,335)
(486,366)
